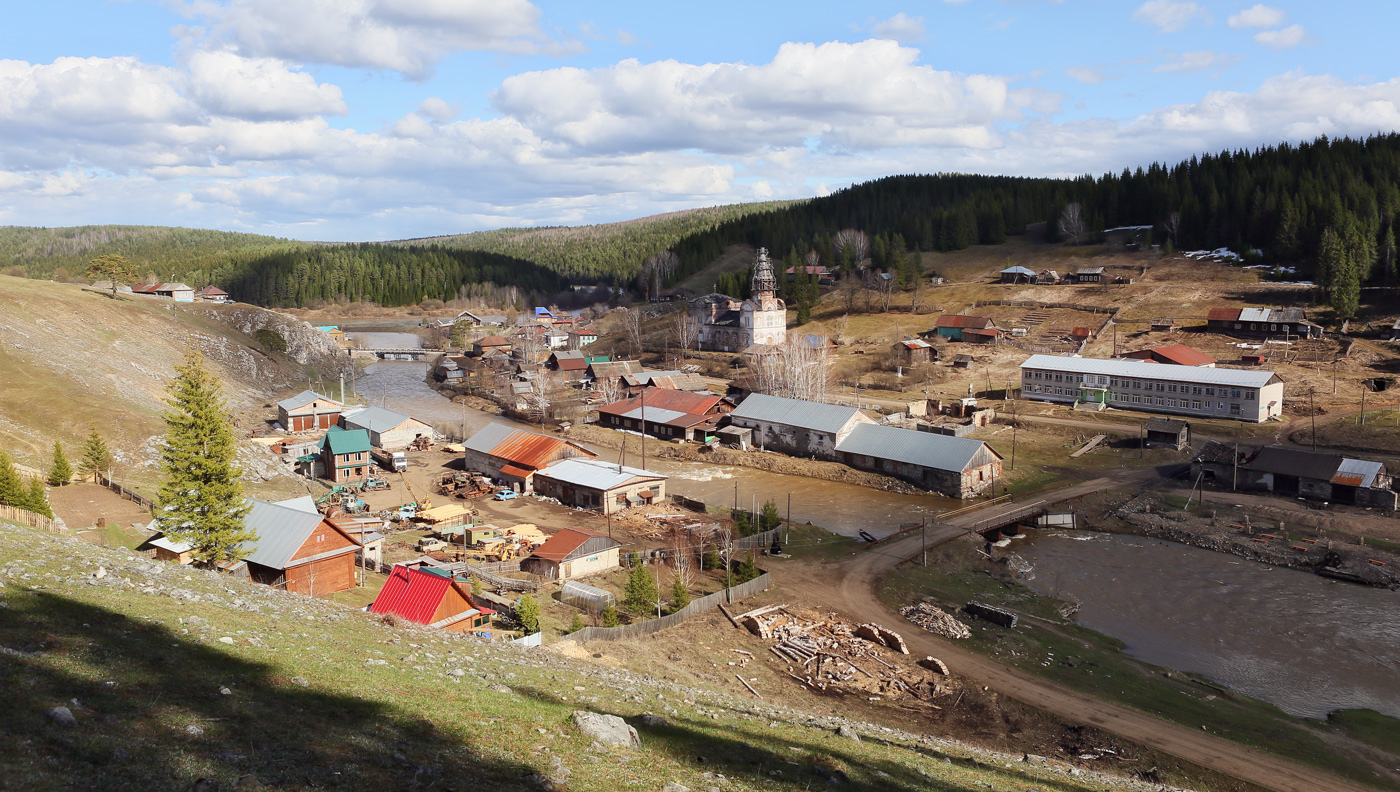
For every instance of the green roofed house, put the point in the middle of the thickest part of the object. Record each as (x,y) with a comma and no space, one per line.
(345,454)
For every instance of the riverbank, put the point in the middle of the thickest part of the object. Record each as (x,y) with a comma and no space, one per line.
(758,460)
(1277,538)
(1048,645)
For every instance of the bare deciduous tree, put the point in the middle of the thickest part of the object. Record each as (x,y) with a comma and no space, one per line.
(684,330)
(1172,225)
(632,326)
(656,270)
(1072,223)
(795,369)
(681,552)
(855,241)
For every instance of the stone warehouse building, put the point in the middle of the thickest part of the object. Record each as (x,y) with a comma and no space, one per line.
(1244,395)
(724,324)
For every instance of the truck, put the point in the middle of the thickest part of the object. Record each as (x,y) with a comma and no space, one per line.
(390,460)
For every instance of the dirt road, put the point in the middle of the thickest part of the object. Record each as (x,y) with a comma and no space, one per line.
(851,593)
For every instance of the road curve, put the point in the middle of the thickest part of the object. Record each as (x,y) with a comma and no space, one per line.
(851,592)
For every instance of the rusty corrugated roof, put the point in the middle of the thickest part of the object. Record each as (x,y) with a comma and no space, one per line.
(1223,315)
(958,320)
(562,544)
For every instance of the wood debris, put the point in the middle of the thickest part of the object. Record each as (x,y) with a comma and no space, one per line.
(935,620)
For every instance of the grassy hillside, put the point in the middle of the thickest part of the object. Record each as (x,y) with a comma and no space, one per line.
(173,675)
(72,359)
(610,251)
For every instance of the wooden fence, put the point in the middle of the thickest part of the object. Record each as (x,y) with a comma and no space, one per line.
(27,518)
(129,494)
(695,608)
(758,541)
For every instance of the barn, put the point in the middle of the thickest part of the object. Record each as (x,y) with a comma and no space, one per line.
(958,467)
(571,554)
(308,410)
(297,549)
(514,456)
(386,428)
(599,485)
(795,426)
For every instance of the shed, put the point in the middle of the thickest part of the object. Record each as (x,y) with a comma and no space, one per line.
(386,428)
(1017,275)
(1173,354)
(1169,432)
(958,467)
(914,350)
(735,437)
(572,553)
(962,361)
(1163,325)
(308,410)
(429,596)
(599,485)
(513,456)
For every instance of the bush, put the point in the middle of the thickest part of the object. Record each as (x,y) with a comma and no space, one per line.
(610,617)
(577,624)
(271,340)
(528,613)
(680,595)
(746,570)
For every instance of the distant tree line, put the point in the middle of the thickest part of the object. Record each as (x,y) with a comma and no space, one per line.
(1281,201)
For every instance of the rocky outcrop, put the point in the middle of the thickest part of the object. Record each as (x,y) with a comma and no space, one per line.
(305,344)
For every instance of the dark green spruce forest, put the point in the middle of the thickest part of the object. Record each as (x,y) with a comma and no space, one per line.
(1327,208)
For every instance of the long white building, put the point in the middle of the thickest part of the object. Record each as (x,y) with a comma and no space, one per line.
(1241,394)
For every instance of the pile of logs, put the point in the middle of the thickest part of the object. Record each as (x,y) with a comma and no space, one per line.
(935,620)
(822,653)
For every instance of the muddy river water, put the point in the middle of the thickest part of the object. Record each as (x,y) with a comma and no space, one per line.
(1308,645)
(1304,643)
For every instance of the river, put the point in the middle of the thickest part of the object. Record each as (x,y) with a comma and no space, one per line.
(1308,645)
(843,508)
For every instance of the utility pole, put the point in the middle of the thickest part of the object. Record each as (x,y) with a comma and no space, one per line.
(923,544)
(1334,376)
(1235,482)
(1312,408)
(787,529)
(342,388)
(644,429)
(1363,405)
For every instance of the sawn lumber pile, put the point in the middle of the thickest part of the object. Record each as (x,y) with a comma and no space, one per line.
(935,620)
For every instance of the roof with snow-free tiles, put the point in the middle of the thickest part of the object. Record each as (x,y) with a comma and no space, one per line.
(795,412)
(595,473)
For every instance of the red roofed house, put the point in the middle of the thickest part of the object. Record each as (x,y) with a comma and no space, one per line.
(914,350)
(570,364)
(513,456)
(1174,354)
(571,554)
(211,294)
(428,596)
(670,414)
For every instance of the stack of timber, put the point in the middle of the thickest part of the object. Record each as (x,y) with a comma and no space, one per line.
(935,620)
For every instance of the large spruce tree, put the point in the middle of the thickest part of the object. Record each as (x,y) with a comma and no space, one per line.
(12,492)
(201,501)
(96,457)
(60,472)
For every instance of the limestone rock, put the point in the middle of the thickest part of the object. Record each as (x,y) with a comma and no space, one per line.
(607,729)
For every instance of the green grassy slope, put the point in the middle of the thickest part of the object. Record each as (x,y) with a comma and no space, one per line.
(174,675)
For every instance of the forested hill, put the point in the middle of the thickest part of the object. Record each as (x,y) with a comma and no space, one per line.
(279,273)
(1279,200)
(610,252)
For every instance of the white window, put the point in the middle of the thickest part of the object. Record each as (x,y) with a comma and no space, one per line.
(1195,404)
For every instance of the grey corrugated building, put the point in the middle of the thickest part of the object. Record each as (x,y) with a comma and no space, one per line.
(795,426)
(958,467)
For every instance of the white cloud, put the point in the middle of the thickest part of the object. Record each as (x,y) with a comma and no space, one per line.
(868,94)
(226,84)
(1258,16)
(1085,74)
(901,27)
(436,108)
(1170,16)
(1196,61)
(1286,38)
(406,36)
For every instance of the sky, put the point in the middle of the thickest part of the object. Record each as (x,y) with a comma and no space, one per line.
(358,120)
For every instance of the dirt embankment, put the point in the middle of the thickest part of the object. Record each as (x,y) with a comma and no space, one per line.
(1257,541)
(773,463)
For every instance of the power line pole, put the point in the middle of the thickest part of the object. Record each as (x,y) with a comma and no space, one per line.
(923,544)
(1312,408)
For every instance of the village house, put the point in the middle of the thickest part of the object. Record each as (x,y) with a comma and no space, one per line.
(570,364)
(307,411)
(490,344)
(514,456)
(1167,432)
(297,549)
(1245,395)
(1173,354)
(582,337)
(725,324)
(1297,473)
(599,486)
(1262,323)
(177,292)
(571,554)
(345,455)
(670,414)
(337,335)
(972,329)
(914,350)
(211,294)
(386,428)
(424,595)
(611,371)
(958,467)
(1088,275)
(633,384)
(794,426)
(1017,275)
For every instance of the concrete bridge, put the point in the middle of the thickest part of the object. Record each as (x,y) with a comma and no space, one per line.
(409,353)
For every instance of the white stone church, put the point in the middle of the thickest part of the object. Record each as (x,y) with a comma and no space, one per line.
(725,324)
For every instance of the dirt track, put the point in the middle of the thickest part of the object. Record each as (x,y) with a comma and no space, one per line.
(852,595)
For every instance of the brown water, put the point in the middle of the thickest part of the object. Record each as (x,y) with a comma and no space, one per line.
(844,508)
(1306,644)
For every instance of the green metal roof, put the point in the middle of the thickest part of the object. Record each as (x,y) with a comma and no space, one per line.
(346,441)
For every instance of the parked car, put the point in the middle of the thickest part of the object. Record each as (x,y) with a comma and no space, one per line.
(507,494)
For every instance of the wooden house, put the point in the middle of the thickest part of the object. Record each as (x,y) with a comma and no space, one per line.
(667,413)
(1163,325)
(1168,432)
(308,411)
(1017,275)
(571,554)
(490,344)
(212,294)
(424,595)
(1173,354)
(914,350)
(1088,275)
(1262,323)
(973,329)
(297,549)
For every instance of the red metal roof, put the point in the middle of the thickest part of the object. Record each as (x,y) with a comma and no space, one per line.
(558,546)
(411,594)
(1223,315)
(963,321)
(572,364)
(667,399)
(1182,355)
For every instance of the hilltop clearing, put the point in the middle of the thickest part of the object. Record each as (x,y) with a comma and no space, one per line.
(167,675)
(72,358)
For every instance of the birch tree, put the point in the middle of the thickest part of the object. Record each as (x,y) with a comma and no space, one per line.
(1072,222)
